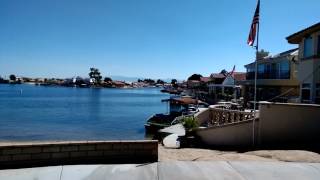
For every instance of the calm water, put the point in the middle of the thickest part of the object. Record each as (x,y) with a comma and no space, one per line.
(59,113)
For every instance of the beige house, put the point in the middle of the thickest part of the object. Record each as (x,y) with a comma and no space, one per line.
(276,78)
(309,62)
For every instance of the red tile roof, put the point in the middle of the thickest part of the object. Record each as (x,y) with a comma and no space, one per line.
(217,76)
(205,79)
(239,76)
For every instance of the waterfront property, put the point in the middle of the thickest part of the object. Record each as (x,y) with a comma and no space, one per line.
(277,75)
(225,87)
(216,87)
(309,62)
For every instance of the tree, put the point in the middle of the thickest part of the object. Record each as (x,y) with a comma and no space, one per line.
(149,81)
(174,81)
(12,77)
(261,54)
(95,74)
(107,79)
(224,72)
(196,77)
(159,81)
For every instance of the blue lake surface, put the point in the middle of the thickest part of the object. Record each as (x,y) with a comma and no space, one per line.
(32,113)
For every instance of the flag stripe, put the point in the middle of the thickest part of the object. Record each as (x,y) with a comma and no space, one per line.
(253,29)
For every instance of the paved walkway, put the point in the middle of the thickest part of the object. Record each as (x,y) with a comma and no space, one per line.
(185,170)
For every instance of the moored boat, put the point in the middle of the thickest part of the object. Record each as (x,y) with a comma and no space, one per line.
(178,106)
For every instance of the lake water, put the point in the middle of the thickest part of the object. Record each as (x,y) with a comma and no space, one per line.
(29,112)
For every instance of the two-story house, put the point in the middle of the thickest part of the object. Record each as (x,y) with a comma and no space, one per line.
(276,78)
(309,62)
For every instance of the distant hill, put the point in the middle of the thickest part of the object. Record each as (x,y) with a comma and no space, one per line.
(125,78)
(134,79)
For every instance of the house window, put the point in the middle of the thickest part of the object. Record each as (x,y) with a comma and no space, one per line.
(274,71)
(250,72)
(267,71)
(261,69)
(306,93)
(308,47)
(284,70)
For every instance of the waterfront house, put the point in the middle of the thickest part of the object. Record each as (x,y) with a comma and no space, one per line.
(225,86)
(193,84)
(119,84)
(276,78)
(217,78)
(309,62)
(198,88)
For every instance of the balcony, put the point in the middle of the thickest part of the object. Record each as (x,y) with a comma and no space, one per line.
(272,75)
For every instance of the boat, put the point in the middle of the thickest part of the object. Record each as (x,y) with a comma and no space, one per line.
(178,107)
(170,90)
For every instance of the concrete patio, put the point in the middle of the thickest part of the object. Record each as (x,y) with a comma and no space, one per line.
(171,170)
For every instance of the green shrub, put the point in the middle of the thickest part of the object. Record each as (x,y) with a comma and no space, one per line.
(190,123)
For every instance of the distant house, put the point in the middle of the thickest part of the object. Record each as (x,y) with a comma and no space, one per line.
(276,76)
(217,78)
(224,86)
(196,84)
(193,84)
(205,79)
(119,84)
(309,62)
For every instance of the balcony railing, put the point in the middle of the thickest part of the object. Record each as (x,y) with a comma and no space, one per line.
(272,75)
(219,117)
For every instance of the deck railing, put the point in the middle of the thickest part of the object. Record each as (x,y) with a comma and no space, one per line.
(220,117)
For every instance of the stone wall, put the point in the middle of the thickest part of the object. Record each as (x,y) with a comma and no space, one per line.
(15,155)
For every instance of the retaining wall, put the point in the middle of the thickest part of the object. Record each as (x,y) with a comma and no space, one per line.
(292,125)
(15,155)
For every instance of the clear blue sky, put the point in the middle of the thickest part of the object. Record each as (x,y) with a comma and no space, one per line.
(141,38)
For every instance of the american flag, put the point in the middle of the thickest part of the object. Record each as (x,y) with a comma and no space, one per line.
(255,22)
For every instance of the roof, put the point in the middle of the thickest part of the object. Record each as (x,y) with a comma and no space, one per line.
(286,53)
(239,76)
(217,76)
(297,37)
(291,52)
(205,79)
(183,100)
(186,100)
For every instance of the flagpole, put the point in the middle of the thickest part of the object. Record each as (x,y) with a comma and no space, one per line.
(255,86)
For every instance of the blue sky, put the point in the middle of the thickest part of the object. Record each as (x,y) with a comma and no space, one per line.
(141,38)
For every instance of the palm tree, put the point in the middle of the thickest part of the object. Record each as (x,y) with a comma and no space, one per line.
(12,77)
(95,74)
